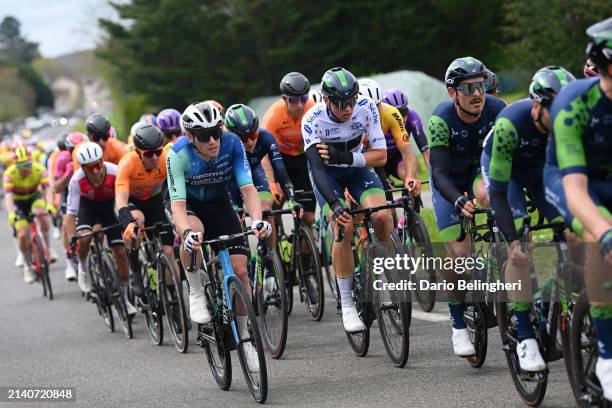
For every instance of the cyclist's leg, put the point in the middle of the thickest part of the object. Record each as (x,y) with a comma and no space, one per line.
(368,187)
(22,231)
(265,196)
(153,212)
(297,168)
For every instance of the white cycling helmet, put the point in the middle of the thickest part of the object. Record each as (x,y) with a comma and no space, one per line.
(315,96)
(370,88)
(89,152)
(201,115)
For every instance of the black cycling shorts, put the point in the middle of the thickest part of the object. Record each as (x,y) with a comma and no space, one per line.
(99,212)
(153,210)
(298,173)
(218,218)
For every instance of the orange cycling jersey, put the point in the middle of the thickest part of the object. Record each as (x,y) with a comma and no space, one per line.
(392,123)
(134,179)
(113,152)
(286,130)
(51,163)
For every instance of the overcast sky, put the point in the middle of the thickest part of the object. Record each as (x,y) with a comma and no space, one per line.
(58,26)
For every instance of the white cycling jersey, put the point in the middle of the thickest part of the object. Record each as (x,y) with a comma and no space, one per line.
(318,127)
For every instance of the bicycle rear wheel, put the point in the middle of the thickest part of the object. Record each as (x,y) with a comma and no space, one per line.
(42,266)
(326,241)
(250,346)
(113,288)
(309,268)
(153,317)
(271,299)
(360,341)
(475,319)
(416,239)
(173,302)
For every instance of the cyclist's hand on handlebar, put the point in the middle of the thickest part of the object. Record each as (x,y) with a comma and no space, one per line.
(413,185)
(131,231)
(261,229)
(518,258)
(465,206)
(340,214)
(277,193)
(191,240)
(605,246)
(296,208)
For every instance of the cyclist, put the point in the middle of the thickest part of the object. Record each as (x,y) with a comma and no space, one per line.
(91,194)
(138,198)
(200,166)
(169,122)
(333,134)
(149,118)
(396,97)
(98,130)
(491,85)
(579,172)
(401,161)
(315,96)
(457,129)
(22,183)
(512,160)
(284,120)
(62,173)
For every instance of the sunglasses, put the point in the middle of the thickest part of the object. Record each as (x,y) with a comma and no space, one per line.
(97,137)
(294,100)
(470,88)
(150,153)
(403,111)
(24,165)
(342,104)
(251,136)
(93,166)
(171,134)
(204,135)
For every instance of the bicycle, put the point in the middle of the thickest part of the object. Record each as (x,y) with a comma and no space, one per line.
(39,256)
(393,310)
(413,234)
(309,273)
(478,313)
(106,291)
(225,296)
(270,296)
(551,313)
(160,297)
(325,239)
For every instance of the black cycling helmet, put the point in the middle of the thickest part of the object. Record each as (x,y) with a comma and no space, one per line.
(491,85)
(61,142)
(241,119)
(294,84)
(97,125)
(338,83)
(148,137)
(599,49)
(462,69)
(547,82)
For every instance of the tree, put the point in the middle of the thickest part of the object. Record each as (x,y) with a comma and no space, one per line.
(13,45)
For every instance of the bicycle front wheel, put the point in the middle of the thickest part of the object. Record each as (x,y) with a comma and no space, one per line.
(311,276)
(42,266)
(173,301)
(272,304)
(416,239)
(250,346)
(113,288)
(99,295)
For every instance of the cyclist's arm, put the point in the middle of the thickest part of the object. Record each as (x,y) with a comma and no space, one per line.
(410,160)
(7,185)
(376,156)
(251,201)
(280,170)
(61,183)
(505,142)
(319,175)
(265,163)
(439,135)
(122,191)
(72,205)
(46,188)
(415,126)
(175,175)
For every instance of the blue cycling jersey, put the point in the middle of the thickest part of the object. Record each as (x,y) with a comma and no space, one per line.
(190,177)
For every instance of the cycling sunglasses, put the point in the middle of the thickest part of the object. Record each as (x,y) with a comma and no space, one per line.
(294,100)
(470,88)
(342,104)
(150,153)
(204,135)
(24,165)
(403,111)
(251,136)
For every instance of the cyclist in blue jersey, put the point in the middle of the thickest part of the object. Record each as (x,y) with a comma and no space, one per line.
(200,166)
(579,172)
(333,132)
(513,160)
(457,129)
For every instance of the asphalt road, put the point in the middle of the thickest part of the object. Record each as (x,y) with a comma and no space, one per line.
(64,343)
